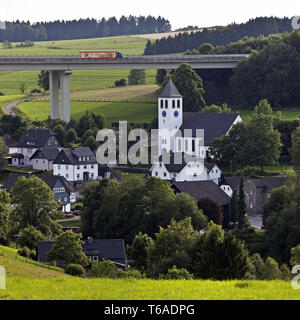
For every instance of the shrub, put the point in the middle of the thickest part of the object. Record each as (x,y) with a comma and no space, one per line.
(131,273)
(247,171)
(32,254)
(104,269)
(121,83)
(24,252)
(177,274)
(75,270)
(1,93)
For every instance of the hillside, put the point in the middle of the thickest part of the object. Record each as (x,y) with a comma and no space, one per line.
(16,266)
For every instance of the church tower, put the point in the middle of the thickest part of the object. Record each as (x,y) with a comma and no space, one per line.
(170,113)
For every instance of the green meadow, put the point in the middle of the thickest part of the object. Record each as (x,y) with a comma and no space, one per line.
(111,111)
(131,289)
(128,45)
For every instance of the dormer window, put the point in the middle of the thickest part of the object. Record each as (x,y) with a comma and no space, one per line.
(79,158)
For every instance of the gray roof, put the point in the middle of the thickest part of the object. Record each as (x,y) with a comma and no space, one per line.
(71,156)
(112,249)
(37,138)
(180,157)
(50,180)
(215,125)
(170,91)
(234,181)
(49,153)
(203,189)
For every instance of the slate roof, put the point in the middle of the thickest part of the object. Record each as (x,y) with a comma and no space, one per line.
(180,162)
(48,153)
(170,91)
(215,125)
(112,249)
(49,179)
(36,138)
(203,189)
(71,156)
(234,181)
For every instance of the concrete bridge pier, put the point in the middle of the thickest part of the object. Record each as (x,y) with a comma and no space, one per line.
(59,81)
(65,95)
(54,94)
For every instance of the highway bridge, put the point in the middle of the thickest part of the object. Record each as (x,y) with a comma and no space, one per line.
(60,68)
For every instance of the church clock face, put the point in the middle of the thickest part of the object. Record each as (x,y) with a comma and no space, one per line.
(164,114)
(176,114)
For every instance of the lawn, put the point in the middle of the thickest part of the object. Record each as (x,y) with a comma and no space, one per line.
(112,111)
(129,289)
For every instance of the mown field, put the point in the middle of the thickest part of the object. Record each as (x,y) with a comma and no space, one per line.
(112,111)
(129,289)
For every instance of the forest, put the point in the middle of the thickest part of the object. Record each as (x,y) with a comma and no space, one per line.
(83,28)
(219,35)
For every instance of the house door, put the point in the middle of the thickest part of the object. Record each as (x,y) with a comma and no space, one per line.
(85,176)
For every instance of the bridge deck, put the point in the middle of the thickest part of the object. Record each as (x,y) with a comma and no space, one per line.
(128,62)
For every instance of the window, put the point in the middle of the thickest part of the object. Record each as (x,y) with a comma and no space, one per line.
(58,167)
(78,175)
(161,104)
(65,199)
(92,175)
(178,103)
(160,164)
(83,158)
(79,158)
(156,173)
(165,174)
(36,161)
(95,258)
(78,167)
(193,145)
(67,167)
(92,166)
(44,161)
(84,167)
(179,145)
(173,104)
(166,104)
(195,174)
(67,175)
(174,175)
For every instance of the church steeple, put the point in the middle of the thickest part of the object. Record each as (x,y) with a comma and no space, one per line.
(169,115)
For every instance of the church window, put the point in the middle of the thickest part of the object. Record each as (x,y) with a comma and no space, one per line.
(166,104)
(173,104)
(161,104)
(193,145)
(178,103)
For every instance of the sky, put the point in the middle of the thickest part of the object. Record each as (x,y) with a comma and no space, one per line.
(179,13)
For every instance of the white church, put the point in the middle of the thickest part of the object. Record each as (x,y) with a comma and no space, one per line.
(184,139)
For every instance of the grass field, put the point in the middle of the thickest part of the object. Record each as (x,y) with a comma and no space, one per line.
(128,45)
(107,289)
(140,93)
(5,100)
(81,80)
(17,266)
(112,111)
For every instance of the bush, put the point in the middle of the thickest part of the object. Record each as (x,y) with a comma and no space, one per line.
(35,91)
(121,83)
(1,93)
(104,269)
(32,254)
(247,171)
(177,274)
(131,273)
(24,252)
(75,270)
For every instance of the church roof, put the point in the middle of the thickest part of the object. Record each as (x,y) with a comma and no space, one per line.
(180,163)
(203,189)
(170,91)
(215,125)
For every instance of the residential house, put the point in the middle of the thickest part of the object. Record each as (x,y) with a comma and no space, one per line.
(95,249)
(31,141)
(76,164)
(43,158)
(63,191)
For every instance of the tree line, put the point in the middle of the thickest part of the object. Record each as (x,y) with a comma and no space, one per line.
(83,28)
(219,35)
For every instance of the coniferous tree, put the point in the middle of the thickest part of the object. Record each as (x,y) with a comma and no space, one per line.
(242,208)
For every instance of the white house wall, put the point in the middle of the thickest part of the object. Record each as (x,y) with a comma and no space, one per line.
(76,172)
